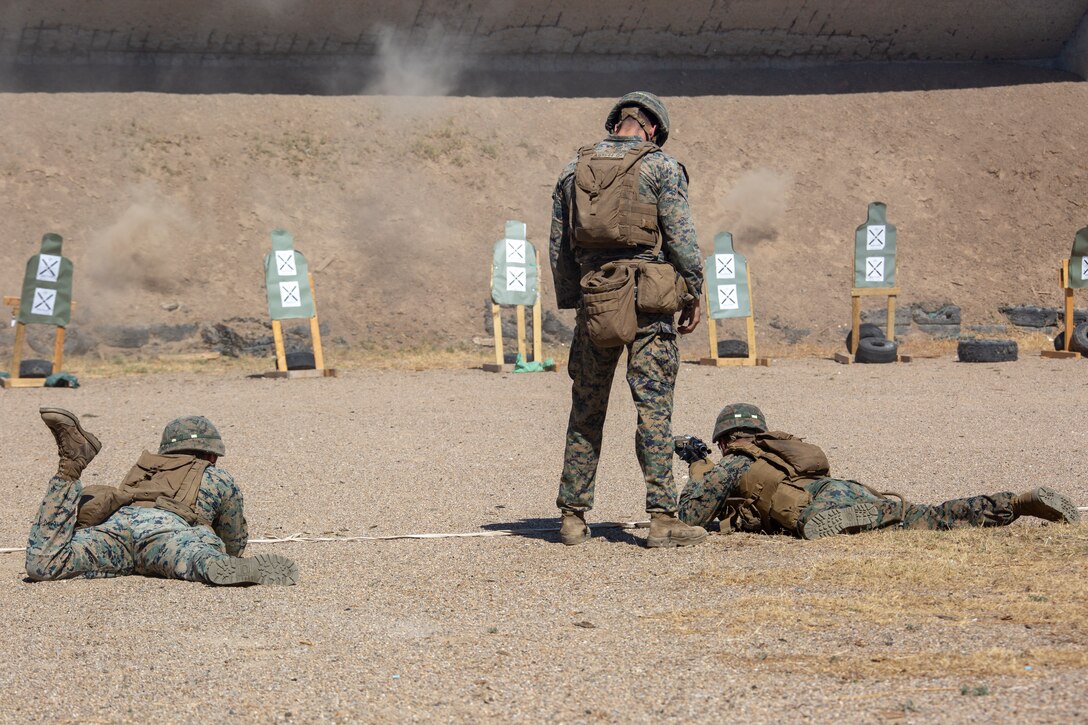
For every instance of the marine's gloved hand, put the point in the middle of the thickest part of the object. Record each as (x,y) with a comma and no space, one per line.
(690,449)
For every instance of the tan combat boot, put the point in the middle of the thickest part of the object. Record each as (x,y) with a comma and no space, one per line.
(75,446)
(573,530)
(666,530)
(1046,503)
(261,569)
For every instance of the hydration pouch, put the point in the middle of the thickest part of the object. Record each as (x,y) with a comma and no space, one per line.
(608,295)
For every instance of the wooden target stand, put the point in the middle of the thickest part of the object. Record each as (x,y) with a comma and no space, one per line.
(855,320)
(500,366)
(281,371)
(17,353)
(1070,321)
(750,327)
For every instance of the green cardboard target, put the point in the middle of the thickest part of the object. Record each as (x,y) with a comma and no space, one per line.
(726,274)
(874,249)
(1078,260)
(514,273)
(47,286)
(287,280)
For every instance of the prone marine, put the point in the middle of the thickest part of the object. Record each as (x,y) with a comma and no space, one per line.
(773,482)
(176,515)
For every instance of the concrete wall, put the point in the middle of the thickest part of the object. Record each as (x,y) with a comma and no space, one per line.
(690,32)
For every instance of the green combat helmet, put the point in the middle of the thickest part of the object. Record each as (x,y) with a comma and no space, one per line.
(191,433)
(739,415)
(647,102)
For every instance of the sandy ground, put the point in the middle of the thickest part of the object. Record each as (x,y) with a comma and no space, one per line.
(521,628)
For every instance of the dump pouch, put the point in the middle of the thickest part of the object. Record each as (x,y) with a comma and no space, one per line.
(661,291)
(98,503)
(608,295)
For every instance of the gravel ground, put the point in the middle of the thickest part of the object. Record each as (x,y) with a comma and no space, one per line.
(521,628)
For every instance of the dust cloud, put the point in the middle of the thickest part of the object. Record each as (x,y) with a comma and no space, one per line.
(755,207)
(140,253)
(407,65)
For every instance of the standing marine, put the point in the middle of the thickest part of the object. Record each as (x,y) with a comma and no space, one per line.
(175,515)
(624,255)
(772,482)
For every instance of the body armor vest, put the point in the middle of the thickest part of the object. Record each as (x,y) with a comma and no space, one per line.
(773,491)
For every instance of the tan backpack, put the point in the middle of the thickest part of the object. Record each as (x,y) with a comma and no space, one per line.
(772,492)
(606,212)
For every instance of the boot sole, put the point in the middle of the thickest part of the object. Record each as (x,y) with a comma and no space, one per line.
(848,520)
(259,569)
(1061,505)
(667,542)
(71,419)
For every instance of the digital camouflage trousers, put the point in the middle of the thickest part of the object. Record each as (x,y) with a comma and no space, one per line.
(133,540)
(992,510)
(652,364)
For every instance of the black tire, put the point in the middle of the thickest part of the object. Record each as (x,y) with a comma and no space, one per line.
(1079,341)
(732,348)
(876,350)
(1059,341)
(866,330)
(300,361)
(987,351)
(35,368)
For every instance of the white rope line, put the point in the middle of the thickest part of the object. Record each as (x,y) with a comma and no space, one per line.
(306,538)
(301,537)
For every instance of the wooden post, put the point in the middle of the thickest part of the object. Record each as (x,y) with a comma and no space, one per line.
(521,330)
(891,318)
(855,322)
(17,352)
(1070,320)
(538,343)
(277,338)
(315,331)
(58,350)
(496,324)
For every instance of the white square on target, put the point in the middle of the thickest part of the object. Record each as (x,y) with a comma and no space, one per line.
(727,297)
(875,237)
(289,295)
(515,279)
(1084,267)
(285,263)
(515,251)
(48,267)
(725,266)
(874,269)
(44,301)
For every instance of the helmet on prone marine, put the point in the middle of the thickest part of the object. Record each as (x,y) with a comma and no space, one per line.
(653,108)
(193,434)
(738,418)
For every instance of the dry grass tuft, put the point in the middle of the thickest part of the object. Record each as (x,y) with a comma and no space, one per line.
(913,582)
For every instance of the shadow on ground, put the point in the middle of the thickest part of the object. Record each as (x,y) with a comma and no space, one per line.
(548,530)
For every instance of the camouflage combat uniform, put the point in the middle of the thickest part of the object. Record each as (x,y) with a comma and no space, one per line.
(136,540)
(703,500)
(652,359)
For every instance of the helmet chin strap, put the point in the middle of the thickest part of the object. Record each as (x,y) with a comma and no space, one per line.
(633,113)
